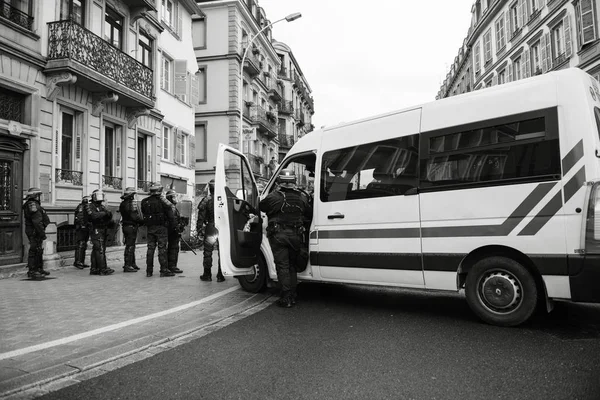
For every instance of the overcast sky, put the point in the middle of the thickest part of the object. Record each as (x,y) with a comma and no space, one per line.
(363,58)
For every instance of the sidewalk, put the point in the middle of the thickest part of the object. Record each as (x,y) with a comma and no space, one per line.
(73,321)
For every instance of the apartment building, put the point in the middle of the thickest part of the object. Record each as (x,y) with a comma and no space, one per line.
(297,106)
(221,37)
(512,40)
(94,94)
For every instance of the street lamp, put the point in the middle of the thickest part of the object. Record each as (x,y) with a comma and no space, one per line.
(289,18)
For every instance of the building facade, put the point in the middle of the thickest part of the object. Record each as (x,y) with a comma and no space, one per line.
(512,40)
(83,107)
(297,107)
(222,36)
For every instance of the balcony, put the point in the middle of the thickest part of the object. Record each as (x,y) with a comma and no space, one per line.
(15,15)
(149,4)
(283,73)
(252,64)
(255,164)
(301,119)
(285,141)
(69,176)
(112,182)
(99,66)
(265,120)
(274,90)
(286,107)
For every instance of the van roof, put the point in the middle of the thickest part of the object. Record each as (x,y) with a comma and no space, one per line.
(531,85)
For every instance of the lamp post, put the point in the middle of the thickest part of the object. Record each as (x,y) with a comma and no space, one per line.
(289,18)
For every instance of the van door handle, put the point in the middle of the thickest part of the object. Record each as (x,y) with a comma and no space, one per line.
(336,215)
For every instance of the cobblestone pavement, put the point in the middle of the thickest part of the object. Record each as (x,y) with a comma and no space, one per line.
(77,320)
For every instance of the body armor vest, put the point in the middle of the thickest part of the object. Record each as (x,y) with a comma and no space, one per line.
(99,215)
(130,214)
(289,210)
(207,206)
(81,218)
(153,210)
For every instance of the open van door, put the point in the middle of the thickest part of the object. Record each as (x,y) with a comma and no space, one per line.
(237,216)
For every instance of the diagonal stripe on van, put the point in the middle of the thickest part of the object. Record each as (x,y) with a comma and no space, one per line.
(572,157)
(574,184)
(543,216)
(504,229)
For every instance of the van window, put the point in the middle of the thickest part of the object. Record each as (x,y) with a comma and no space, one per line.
(304,167)
(380,169)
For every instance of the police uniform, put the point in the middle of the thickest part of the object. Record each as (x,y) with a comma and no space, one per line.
(36,221)
(157,217)
(100,218)
(289,212)
(206,219)
(131,219)
(82,233)
(174,234)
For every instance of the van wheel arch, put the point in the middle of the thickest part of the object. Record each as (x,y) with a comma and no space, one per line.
(502,251)
(258,282)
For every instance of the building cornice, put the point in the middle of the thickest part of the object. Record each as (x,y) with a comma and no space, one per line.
(200,114)
(16,51)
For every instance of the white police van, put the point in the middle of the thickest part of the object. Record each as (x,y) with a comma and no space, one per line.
(494,192)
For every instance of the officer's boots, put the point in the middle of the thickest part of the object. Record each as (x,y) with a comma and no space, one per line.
(35,274)
(166,272)
(286,300)
(106,271)
(149,271)
(220,277)
(206,276)
(128,268)
(175,270)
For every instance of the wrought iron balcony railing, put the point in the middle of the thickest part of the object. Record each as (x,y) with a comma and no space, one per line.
(286,107)
(68,40)
(68,176)
(112,181)
(286,141)
(561,58)
(282,73)
(267,121)
(144,186)
(15,15)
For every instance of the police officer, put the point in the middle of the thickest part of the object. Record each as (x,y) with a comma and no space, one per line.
(206,219)
(101,219)
(174,234)
(131,219)
(289,212)
(36,221)
(157,217)
(82,233)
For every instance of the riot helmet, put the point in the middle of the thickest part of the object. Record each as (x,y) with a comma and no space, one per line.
(97,196)
(34,193)
(130,192)
(211,186)
(172,196)
(85,199)
(287,176)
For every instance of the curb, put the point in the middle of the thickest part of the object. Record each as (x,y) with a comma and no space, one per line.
(239,312)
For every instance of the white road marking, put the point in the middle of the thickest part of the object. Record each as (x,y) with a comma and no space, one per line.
(69,339)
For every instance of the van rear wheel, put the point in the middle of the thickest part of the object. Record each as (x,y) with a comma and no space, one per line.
(257,281)
(501,291)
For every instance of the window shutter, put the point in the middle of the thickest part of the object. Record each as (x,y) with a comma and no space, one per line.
(195,89)
(548,50)
(494,80)
(588,22)
(162,72)
(543,54)
(477,56)
(568,46)
(527,64)
(118,133)
(521,13)
(178,146)
(505,35)
(179,15)
(522,66)
(180,86)
(537,5)
(509,67)
(192,151)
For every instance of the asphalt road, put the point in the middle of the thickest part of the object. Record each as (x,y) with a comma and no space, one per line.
(358,343)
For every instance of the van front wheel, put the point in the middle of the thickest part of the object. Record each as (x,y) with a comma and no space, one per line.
(501,291)
(257,281)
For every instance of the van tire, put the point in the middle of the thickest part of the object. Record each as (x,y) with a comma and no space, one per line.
(258,281)
(501,291)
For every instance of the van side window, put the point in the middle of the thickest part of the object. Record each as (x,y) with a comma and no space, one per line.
(380,169)
(523,150)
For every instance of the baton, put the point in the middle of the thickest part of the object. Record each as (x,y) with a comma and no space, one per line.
(188,245)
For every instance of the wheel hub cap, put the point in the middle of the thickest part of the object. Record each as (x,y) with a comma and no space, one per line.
(500,290)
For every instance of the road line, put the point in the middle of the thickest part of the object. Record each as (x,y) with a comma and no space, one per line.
(69,339)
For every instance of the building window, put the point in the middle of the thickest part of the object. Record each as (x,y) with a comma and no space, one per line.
(487,45)
(146,44)
(586,21)
(535,59)
(199,33)
(73,10)
(180,147)
(200,133)
(171,15)
(517,69)
(502,77)
(477,57)
(144,160)
(558,40)
(11,105)
(68,147)
(112,156)
(533,6)
(113,28)
(166,74)
(500,38)
(167,130)
(18,11)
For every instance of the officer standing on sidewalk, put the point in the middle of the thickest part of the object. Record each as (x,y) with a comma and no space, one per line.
(288,210)
(36,221)
(101,219)
(157,217)
(174,234)
(206,219)
(131,218)
(82,233)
